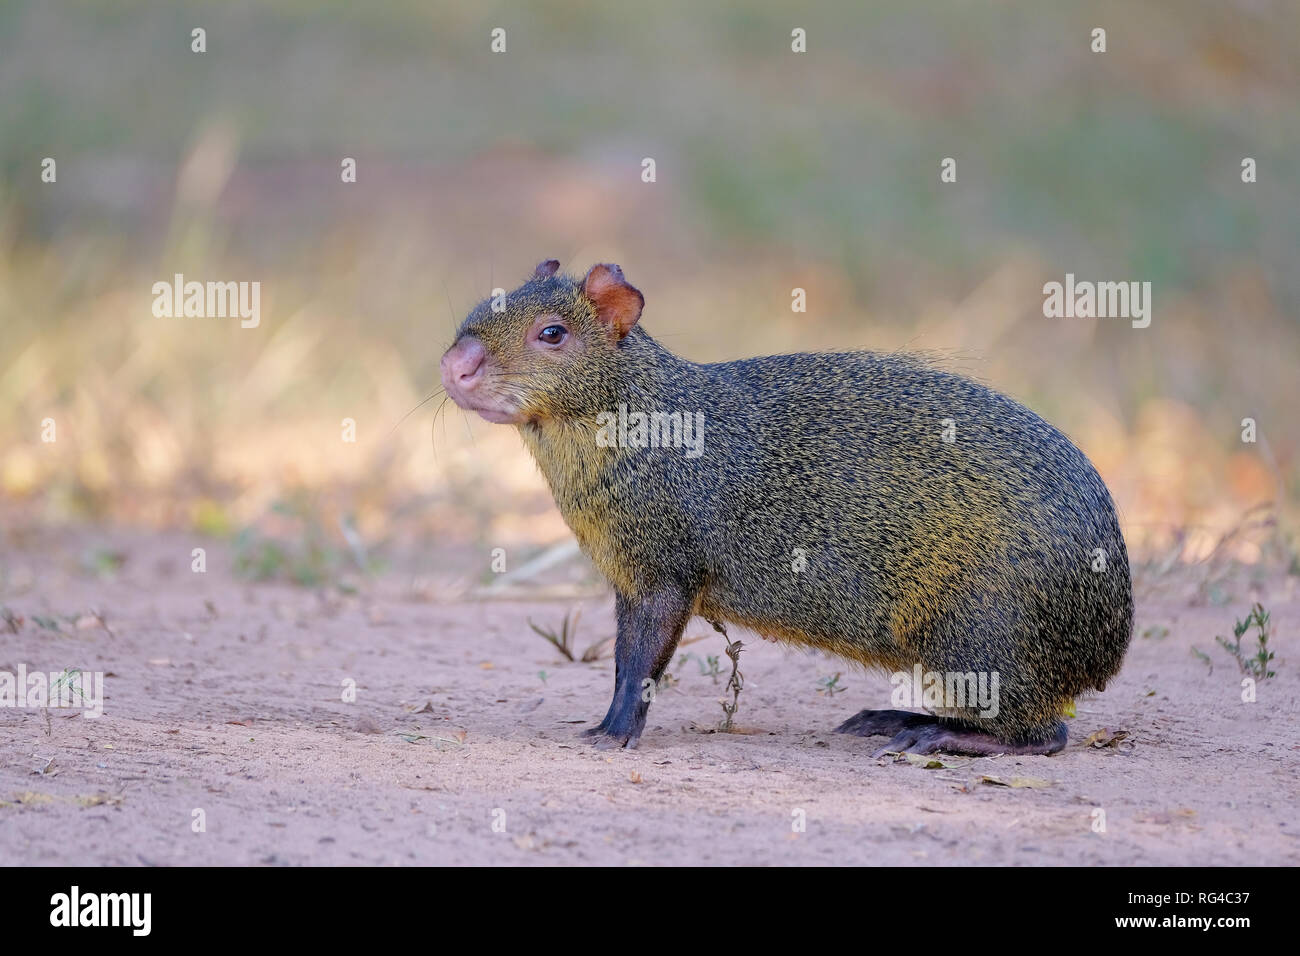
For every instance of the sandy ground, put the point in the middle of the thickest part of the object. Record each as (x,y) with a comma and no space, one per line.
(227,698)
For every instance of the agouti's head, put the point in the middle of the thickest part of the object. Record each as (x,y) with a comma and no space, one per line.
(549,350)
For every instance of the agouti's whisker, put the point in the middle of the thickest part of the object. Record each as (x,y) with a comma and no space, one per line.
(414,410)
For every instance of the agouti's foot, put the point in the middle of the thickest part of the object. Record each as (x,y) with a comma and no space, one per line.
(605,739)
(939,736)
(883,723)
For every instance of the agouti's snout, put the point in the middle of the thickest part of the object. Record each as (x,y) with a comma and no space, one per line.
(465,376)
(462,366)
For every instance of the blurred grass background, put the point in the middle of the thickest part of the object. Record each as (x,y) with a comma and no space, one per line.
(775,170)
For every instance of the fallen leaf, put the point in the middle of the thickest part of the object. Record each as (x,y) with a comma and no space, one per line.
(1104,738)
(31,798)
(929,763)
(97,799)
(918,760)
(1031,783)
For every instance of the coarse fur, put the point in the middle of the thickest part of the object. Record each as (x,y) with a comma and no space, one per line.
(872,505)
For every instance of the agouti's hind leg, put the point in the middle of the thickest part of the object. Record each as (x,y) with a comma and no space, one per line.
(883,723)
(648,631)
(940,735)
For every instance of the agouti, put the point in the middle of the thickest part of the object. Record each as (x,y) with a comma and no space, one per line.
(867,504)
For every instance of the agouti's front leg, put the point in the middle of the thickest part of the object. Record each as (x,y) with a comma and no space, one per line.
(649,628)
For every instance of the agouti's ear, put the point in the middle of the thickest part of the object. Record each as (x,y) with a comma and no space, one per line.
(617,303)
(547,268)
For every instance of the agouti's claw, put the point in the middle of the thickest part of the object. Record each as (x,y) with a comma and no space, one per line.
(907,742)
(604,740)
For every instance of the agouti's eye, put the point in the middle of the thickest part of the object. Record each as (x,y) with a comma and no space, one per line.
(553,334)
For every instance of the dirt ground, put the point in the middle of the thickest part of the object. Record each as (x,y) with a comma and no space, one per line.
(462,744)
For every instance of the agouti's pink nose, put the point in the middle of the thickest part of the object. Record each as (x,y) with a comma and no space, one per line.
(462,366)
